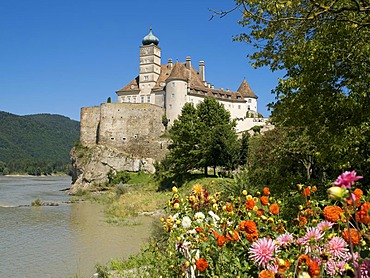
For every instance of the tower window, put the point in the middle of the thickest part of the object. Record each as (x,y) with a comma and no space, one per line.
(146,77)
(173,84)
(134,99)
(148,99)
(142,99)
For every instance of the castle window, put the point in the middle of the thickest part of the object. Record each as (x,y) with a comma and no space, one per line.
(249,100)
(148,99)
(173,84)
(134,99)
(172,95)
(239,106)
(146,77)
(238,97)
(229,96)
(123,99)
(249,107)
(170,106)
(128,99)
(222,96)
(215,94)
(142,99)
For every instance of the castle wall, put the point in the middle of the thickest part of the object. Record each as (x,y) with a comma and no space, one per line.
(89,125)
(132,128)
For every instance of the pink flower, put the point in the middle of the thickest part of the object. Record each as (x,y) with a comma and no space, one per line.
(347,179)
(262,251)
(285,239)
(324,225)
(312,236)
(333,267)
(337,247)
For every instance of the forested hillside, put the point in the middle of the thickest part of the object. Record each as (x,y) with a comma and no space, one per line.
(37,140)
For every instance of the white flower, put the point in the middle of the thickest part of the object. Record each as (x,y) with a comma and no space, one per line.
(186,222)
(199,217)
(214,216)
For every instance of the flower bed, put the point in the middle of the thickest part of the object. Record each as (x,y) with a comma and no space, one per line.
(245,236)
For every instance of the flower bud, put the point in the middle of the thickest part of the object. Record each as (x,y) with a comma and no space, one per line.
(336,192)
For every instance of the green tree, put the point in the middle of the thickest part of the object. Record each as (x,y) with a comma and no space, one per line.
(323,48)
(184,148)
(244,145)
(202,137)
(218,142)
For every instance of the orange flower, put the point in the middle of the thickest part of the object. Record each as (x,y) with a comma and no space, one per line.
(229,207)
(249,204)
(266,274)
(199,229)
(274,209)
(215,234)
(358,194)
(314,188)
(362,215)
(266,191)
(264,200)
(221,241)
(283,265)
(314,268)
(250,226)
(306,192)
(201,264)
(302,221)
(352,235)
(251,237)
(232,236)
(304,260)
(332,213)
(260,212)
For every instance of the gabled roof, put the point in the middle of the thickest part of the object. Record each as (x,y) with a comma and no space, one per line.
(245,90)
(132,86)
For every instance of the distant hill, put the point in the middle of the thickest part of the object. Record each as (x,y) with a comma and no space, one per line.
(40,137)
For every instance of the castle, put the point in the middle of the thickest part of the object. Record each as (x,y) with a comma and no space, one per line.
(134,123)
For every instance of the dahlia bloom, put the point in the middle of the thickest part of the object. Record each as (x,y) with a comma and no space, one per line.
(263,251)
(186,222)
(324,225)
(347,179)
(285,239)
(337,247)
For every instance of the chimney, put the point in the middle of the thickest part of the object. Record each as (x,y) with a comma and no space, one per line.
(188,62)
(202,72)
(169,66)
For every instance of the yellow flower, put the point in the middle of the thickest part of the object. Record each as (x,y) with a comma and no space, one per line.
(176,206)
(245,192)
(215,207)
(336,192)
(255,208)
(192,198)
(249,197)
(174,189)
(255,199)
(303,274)
(197,188)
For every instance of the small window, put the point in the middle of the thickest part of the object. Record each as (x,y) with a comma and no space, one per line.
(172,95)
(249,107)
(249,100)
(228,96)
(128,99)
(148,99)
(239,106)
(134,99)
(170,106)
(146,77)
(123,99)
(142,99)
(238,97)
(173,84)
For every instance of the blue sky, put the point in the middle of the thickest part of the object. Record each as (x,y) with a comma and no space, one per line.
(57,56)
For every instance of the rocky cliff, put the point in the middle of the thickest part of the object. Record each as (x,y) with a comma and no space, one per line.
(91,164)
(117,137)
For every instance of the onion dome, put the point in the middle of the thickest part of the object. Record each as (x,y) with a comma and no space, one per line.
(150,39)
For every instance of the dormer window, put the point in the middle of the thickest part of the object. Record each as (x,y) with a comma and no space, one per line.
(229,96)
(238,97)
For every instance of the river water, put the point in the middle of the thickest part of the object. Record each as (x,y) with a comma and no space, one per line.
(58,241)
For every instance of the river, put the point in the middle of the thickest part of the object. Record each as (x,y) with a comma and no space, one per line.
(58,241)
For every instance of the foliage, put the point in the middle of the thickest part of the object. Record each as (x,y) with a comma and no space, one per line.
(322,46)
(202,137)
(36,203)
(36,144)
(244,235)
(115,178)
